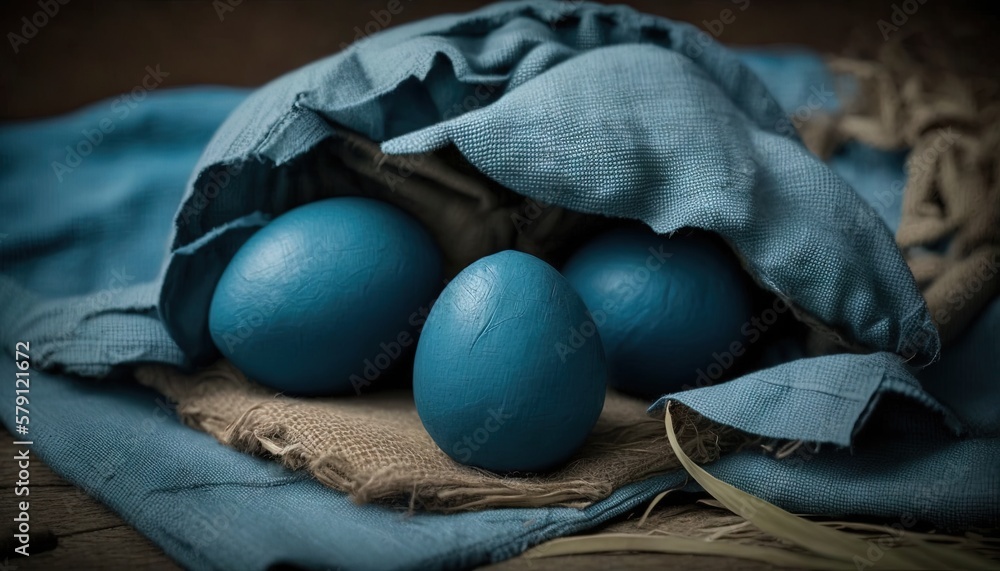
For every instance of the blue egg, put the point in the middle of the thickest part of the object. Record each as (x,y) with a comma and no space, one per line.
(321,300)
(670,311)
(490,382)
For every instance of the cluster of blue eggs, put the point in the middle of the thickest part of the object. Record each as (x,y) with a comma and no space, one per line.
(513,360)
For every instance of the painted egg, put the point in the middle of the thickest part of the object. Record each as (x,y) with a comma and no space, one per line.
(667,309)
(321,300)
(491,384)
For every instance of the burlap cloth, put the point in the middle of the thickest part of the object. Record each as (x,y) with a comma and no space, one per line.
(919,92)
(374,447)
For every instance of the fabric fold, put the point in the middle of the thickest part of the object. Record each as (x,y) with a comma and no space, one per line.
(688,137)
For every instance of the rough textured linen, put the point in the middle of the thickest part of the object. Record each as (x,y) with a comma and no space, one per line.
(375,448)
(173,483)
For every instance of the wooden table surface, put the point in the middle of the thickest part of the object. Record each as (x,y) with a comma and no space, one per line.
(90,51)
(69,530)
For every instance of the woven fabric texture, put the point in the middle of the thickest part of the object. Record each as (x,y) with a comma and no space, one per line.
(374,447)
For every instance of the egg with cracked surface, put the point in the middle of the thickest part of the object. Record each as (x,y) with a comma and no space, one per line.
(491,385)
(670,310)
(319,300)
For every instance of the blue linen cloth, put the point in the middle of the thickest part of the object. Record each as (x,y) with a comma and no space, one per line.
(88,280)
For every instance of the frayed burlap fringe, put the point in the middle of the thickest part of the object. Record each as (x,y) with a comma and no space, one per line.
(917,92)
(374,447)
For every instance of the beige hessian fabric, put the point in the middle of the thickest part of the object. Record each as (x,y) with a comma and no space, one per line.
(919,94)
(374,447)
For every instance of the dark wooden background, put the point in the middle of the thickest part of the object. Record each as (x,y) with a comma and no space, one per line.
(90,50)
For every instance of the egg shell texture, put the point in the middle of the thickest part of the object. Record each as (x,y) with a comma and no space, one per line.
(321,292)
(664,306)
(490,384)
